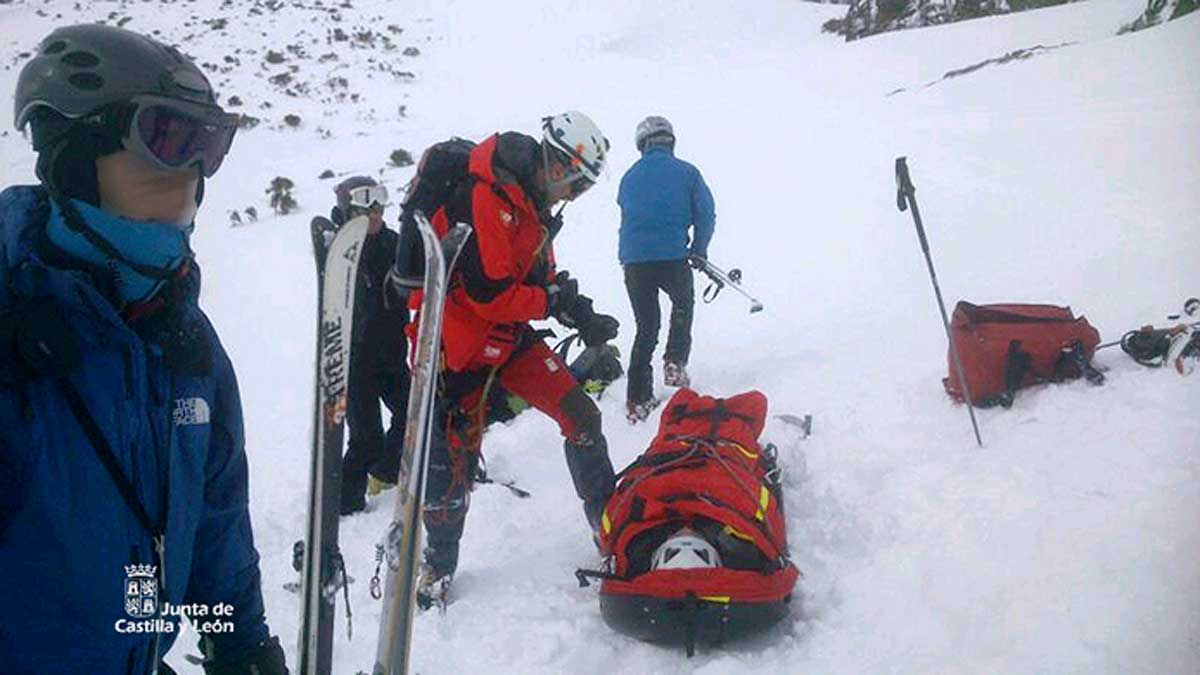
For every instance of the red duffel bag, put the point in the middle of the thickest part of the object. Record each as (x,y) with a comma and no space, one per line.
(1004,347)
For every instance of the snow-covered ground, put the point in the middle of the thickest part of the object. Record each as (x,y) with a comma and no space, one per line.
(1069,544)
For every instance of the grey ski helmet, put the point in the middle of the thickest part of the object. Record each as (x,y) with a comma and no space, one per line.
(79,71)
(653,130)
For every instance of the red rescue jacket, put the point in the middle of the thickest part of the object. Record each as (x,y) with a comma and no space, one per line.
(498,284)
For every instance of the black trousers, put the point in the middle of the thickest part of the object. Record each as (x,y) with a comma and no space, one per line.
(643,281)
(378,372)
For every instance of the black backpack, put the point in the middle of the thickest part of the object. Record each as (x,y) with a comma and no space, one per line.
(441,170)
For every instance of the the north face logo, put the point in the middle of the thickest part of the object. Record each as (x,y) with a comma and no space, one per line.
(190,411)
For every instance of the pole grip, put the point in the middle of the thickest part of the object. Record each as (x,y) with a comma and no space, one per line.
(906,196)
(904,185)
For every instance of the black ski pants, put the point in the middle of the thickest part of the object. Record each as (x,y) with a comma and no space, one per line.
(643,281)
(378,372)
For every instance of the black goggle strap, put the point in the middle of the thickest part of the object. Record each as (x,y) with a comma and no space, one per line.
(575,179)
(559,144)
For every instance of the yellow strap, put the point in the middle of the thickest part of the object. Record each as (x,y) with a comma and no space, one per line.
(742,449)
(605,522)
(723,599)
(734,533)
(764,498)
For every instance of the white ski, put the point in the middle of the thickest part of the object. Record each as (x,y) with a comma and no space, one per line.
(402,548)
(337,272)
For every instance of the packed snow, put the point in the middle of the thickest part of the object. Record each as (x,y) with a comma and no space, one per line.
(1067,544)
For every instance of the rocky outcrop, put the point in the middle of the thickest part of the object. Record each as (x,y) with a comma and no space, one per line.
(869,17)
(1158,11)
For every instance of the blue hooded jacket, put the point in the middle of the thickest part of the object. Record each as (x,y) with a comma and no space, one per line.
(66,534)
(661,197)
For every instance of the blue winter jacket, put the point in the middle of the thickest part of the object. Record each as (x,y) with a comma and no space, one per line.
(661,197)
(66,534)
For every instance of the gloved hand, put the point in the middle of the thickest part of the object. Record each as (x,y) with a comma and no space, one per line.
(600,329)
(561,297)
(265,659)
(697,260)
(553,224)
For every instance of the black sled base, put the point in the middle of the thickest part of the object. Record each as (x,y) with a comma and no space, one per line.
(689,621)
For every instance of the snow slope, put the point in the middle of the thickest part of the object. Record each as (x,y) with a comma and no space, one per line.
(1067,545)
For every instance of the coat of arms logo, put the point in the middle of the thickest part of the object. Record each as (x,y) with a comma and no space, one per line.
(141,591)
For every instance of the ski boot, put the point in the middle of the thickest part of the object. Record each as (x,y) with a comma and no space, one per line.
(675,375)
(638,412)
(433,588)
(377,485)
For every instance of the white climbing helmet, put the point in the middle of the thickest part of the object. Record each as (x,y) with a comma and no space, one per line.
(578,141)
(685,550)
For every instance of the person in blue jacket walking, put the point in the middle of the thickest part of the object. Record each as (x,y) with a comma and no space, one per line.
(123,477)
(661,198)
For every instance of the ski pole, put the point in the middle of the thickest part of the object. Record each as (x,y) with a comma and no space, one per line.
(906,197)
(720,279)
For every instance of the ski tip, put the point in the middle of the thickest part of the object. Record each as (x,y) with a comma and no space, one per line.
(756,307)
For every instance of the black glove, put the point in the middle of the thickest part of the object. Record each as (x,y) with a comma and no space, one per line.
(553,224)
(599,330)
(265,659)
(561,298)
(697,260)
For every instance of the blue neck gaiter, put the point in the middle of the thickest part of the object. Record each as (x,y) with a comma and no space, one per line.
(147,253)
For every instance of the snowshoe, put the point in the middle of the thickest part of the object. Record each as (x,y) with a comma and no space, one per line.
(675,375)
(433,588)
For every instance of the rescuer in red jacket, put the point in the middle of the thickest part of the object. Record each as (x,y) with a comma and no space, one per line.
(505,278)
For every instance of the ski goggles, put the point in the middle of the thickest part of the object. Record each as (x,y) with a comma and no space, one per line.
(369,197)
(564,170)
(174,135)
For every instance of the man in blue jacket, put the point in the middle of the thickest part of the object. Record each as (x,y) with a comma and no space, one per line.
(123,477)
(662,198)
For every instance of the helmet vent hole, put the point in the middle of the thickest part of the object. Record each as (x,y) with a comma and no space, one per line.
(56,47)
(88,81)
(81,60)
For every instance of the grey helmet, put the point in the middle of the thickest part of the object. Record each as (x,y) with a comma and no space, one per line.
(654,130)
(88,68)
